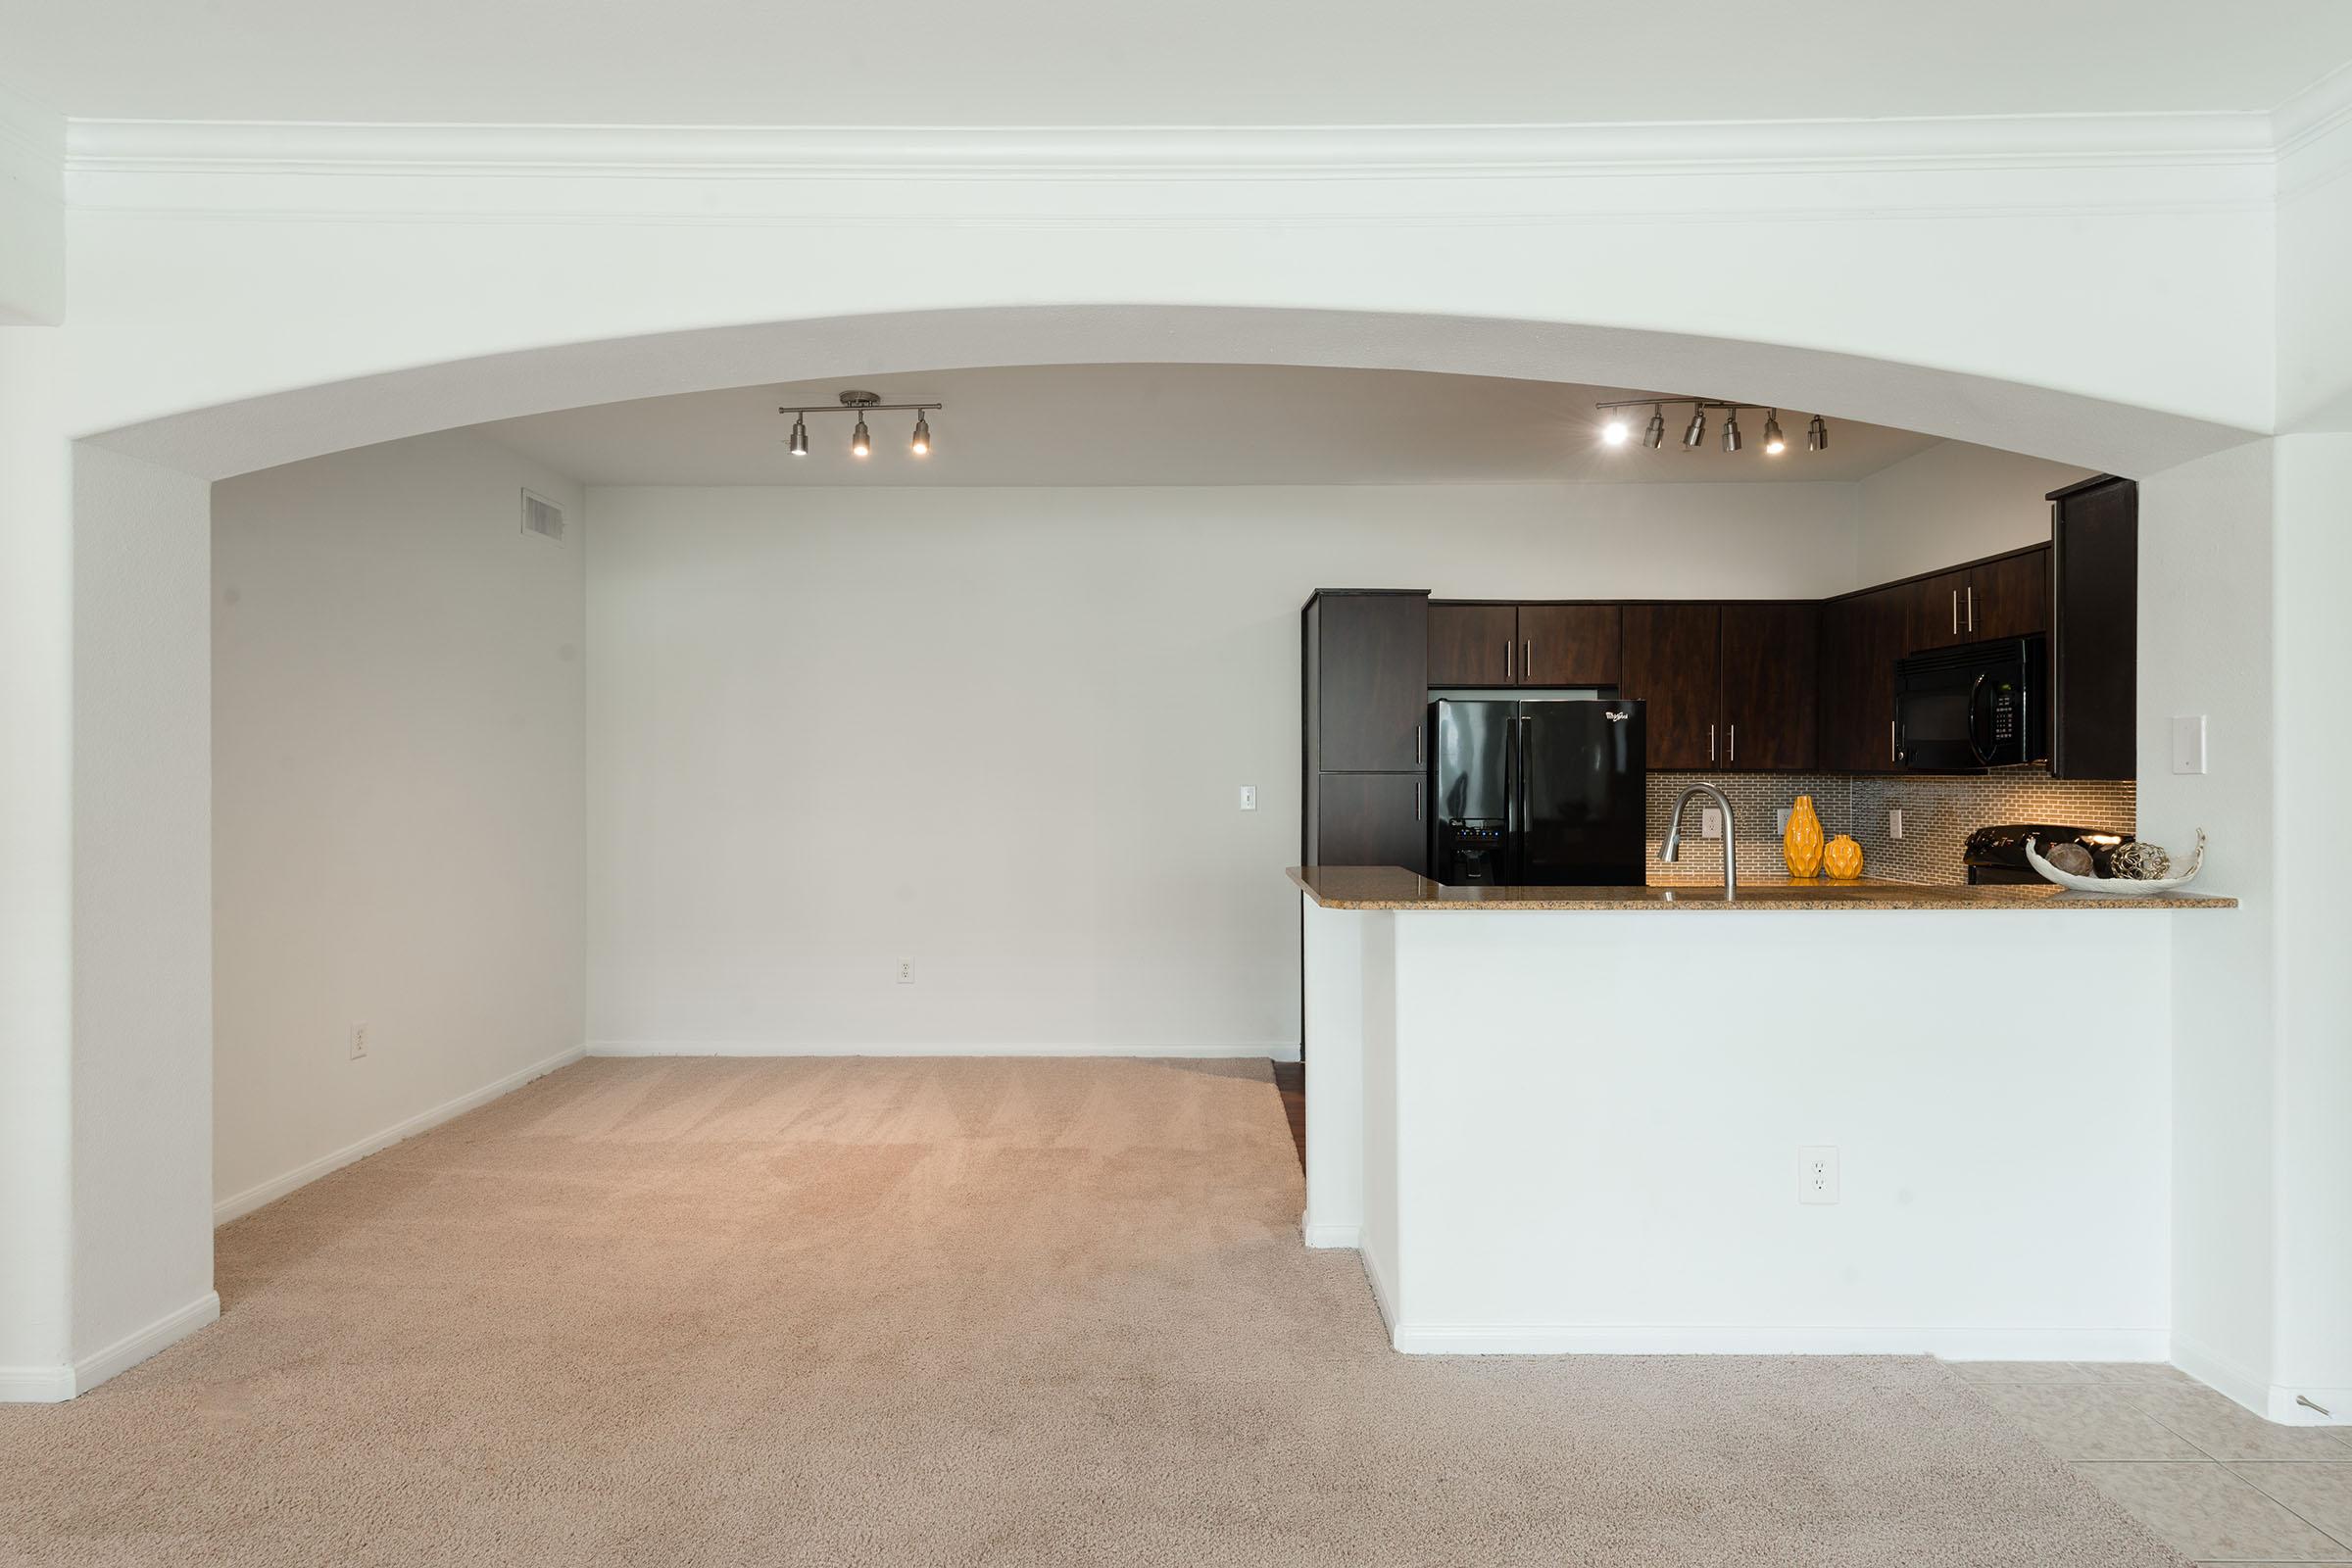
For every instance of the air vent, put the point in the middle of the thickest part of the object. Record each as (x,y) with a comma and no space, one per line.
(542,517)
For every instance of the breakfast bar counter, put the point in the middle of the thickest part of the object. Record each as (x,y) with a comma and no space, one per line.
(1586,1128)
(1392,887)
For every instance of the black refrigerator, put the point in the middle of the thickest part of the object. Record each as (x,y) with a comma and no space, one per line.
(1538,794)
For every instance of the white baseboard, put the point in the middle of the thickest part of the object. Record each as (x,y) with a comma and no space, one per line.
(132,1348)
(2273,1402)
(933,1048)
(239,1204)
(53,1384)
(35,1385)
(1332,1235)
(1740,1339)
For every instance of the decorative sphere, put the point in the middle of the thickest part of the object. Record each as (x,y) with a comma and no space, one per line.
(2140,863)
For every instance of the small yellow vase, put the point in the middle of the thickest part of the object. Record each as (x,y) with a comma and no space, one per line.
(1842,859)
(1800,844)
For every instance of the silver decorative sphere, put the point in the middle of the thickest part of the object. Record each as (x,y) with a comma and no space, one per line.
(2140,863)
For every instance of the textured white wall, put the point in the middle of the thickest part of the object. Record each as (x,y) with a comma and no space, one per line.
(398,818)
(1953,503)
(142,876)
(999,731)
(2205,600)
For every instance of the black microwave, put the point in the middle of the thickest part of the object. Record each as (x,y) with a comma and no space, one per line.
(1963,710)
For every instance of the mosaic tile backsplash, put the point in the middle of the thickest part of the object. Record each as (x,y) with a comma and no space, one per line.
(1938,814)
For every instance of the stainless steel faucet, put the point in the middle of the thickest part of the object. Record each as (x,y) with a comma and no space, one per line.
(1672,850)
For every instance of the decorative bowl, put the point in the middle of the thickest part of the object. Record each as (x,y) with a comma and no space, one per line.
(2118,887)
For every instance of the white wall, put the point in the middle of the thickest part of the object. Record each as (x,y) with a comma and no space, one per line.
(1951,503)
(398,721)
(999,732)
(142,1270)
(2205,604)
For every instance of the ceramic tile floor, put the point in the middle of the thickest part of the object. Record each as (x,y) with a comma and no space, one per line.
(2213,1479)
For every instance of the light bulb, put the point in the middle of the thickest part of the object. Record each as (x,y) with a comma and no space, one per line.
(922,434)
(799,437)
(859,441)
(1773,443)
(1614,432)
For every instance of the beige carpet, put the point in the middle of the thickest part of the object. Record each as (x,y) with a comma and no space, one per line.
(913,1312)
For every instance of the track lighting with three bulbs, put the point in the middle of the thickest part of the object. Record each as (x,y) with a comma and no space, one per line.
(1616,431)
(862,440)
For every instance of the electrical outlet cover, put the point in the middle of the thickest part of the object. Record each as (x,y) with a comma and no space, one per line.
(1817,1174)
(1894,823)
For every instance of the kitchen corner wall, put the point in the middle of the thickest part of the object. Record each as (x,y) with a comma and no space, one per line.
(1939,811)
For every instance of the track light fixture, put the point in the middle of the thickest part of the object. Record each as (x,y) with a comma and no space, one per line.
(862,440)
(1615,430)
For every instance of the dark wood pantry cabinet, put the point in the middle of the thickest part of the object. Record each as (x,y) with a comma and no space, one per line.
(1365,662)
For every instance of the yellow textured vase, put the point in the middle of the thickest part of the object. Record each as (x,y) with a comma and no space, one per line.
(1800,844)
(1841,858)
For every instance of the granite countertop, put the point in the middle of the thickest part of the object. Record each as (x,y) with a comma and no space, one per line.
(1392,887)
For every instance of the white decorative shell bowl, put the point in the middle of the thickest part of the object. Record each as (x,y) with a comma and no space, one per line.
(2118,887)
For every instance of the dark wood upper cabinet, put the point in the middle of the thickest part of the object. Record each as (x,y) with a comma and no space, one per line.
(1670,662)
(2094,630)
(1370,686)
(1569,645)
(2009,597)
(1861,637)
(1769,706)
(1937,611)
(1371,819)
(1472,645)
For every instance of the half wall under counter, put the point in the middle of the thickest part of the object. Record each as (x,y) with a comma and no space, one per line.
(1579,1128)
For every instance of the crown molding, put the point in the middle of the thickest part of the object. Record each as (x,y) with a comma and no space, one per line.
(1156,153)
(2313,134)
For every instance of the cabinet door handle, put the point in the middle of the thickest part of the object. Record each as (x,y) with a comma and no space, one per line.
(1417,787)
(1971,606)
(1417,743)
(1508,650)
(1710,743)
(1735,747)
(1955,612)
(1892,755)
(1527,660)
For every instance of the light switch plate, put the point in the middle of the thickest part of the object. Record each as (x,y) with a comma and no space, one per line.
(2188,743)
(1710,822)
(1248,797)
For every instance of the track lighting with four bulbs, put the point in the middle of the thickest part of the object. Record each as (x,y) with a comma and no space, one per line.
(862,440)
(1617,430)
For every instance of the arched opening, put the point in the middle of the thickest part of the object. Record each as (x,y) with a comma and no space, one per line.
(158,1147)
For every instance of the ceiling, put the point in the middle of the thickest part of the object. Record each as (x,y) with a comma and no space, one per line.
(1211,62)
(1174,424)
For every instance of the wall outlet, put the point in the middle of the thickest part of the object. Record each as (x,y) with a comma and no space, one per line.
(359,1041)
(1710,821)
(905,975)
(1817,1174)
(1248,797)
(1780,824)
(1894,823)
